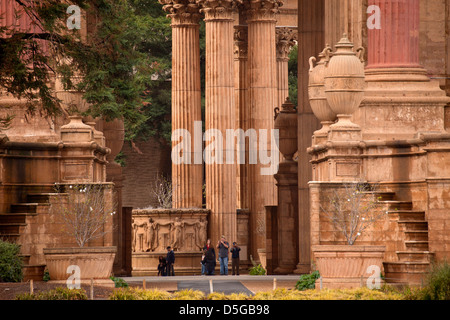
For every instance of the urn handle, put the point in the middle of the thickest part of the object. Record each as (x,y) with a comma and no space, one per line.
(360,54)
(327,52)
(277,112)
(311,63)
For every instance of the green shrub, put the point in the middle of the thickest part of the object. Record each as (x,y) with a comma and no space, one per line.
(307,281)
(257,270)
(46,276)
(55,294)
(119,283)
(437,283)
(10,262)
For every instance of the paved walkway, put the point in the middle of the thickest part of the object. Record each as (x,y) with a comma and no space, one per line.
(225,284)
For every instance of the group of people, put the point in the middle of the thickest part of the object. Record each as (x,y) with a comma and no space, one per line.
(165,266)
(209,257)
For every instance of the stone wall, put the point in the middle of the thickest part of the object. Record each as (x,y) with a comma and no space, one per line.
(141,171)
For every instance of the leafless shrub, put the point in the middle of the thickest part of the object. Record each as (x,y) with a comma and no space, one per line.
(353,208)
(84,211)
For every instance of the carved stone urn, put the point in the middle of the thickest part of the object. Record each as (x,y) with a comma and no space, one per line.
(316,90)
(286,123)
(345,82)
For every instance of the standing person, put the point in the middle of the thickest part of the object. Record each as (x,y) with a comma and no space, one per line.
(235,259)
(210,258)
(203,262)
(170,260)
(223,246)
(162,266)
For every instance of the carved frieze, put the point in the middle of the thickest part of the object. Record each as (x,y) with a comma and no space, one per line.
(183,230)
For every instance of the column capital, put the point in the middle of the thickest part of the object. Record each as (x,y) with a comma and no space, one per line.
(182,12)
(218,9)
(262,10)
(241,42)
(286,38)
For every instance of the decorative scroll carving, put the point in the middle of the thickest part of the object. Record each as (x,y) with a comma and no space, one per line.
(219,9)
(262,9)
(182,12)
(241,42)
(286,38)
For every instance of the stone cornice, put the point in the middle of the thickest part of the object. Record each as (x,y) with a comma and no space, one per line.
(241,42)
(286,38)
(182,12)
(219,9)
(262,10)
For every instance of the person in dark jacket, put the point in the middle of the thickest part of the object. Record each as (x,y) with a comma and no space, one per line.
(210,258)
(235,259)
(170,260)
(162,266)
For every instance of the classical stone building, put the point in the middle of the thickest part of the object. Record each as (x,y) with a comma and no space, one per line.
(395,136)
(392,130)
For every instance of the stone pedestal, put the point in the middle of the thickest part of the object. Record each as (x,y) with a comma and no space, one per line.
(400,99)
(287,217)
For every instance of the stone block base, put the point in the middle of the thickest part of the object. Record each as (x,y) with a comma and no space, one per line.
(186,263)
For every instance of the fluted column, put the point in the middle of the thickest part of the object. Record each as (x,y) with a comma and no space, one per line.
(286,38)
(219,117)
(187,175)
(242,110)
(394,43)
(261,20)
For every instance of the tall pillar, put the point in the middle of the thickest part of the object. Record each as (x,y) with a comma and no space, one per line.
(261,20)
(311,34)
(242,110)
(187,175)
(286,38)
(220,116)
(395,44)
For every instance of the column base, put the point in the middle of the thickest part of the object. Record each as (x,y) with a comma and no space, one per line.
(303,269)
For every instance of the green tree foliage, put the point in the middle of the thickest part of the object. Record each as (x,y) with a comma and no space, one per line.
(10,262)
(123,62)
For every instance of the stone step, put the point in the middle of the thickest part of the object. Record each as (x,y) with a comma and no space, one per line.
(41,198)
(7,228)
(24,207)
(415,256)
(408,215)
(398,205)
(383,195)
(13,217)
(10,237)
(33,272)
(414,225)
(417,245)
(405,272)
(416,235)
(25,258)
